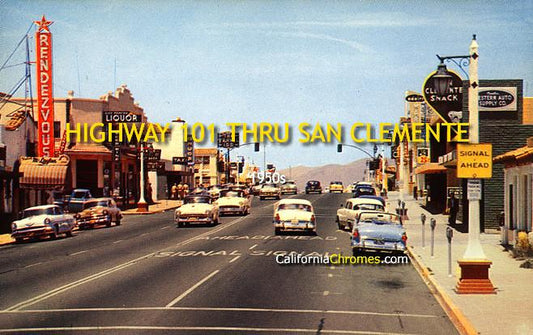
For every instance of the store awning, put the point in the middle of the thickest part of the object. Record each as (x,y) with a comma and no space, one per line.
(430,168)
(43,176)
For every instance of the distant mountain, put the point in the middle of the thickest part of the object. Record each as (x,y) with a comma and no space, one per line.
(347,173)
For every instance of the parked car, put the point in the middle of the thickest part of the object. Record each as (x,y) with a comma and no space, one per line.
(336,186)
(313,186)
(98,211)
(294,214)
(348,214)
(256,189)
(269,191)
(77,199)
(233,202)
(363,190)
(378,232)
(39,221)
(289,187)
(196,209)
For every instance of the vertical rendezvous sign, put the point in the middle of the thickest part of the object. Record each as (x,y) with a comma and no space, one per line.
(45,96)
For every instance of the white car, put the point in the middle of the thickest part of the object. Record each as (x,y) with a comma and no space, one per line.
(269,191)
(233,202)
(196,209)
(294,214)
(39,221)
(348,214)
(289,187)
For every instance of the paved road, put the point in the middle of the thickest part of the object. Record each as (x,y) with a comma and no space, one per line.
(146,276)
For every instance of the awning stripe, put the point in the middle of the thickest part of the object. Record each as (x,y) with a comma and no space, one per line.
(43,176)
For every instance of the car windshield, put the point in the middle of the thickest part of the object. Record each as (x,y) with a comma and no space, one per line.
(79,194)
(301,207)
(369,207)
(38,211)
(313,183)
(95,203)
(336,183)
(269,185)
(380,218)
(197,200)
(231,194)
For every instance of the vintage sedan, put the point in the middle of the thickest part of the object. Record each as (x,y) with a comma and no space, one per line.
(348,213)
(294,215)
(336,186)
(77,199)
(214,191)
(269,191)
(40,221)
(313,186)
(98,211)
(363,190)
(289,187)
(196,209)
(233,201)
(378,232)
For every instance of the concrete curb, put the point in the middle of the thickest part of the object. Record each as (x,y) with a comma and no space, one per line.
(6,239)
(150,212)
(461,322)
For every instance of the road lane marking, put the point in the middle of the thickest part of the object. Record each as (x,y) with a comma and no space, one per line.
(184,294)
(103,273)
(165,227)
(118,241)
(219,309)
(253,246)
(79,252)
(235,329)
(234,259)
(29,266)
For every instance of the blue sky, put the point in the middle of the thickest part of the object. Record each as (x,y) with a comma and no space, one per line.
(271,61)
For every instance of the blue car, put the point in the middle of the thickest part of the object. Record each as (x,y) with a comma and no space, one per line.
(375,231)
(377,197)
(77,198)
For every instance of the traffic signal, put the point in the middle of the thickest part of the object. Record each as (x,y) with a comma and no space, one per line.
(339,147)
(256,146)
(241,166)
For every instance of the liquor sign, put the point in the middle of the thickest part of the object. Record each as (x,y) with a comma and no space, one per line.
(224,140)
(497,99)
(120,116)
(45,96)
(189,150)
(474,160)
(448,104)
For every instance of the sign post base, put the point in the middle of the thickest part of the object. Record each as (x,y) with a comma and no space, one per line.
(474,277)
(142,207)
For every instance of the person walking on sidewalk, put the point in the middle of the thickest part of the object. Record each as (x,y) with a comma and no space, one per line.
(454,208)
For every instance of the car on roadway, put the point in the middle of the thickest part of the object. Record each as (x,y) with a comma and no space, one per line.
(196,209)
(349,212)
(77,199)
(270,191)
(294,215)
(377,197)
(42,221)
(214,191)
(289,187)
(313,186)
(363,190)
(98,211)
(233,201)
(378,232)
(336,186)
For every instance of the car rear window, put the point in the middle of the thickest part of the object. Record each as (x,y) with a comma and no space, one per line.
(301,207)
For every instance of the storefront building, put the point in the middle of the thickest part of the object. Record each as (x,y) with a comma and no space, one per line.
(206,166)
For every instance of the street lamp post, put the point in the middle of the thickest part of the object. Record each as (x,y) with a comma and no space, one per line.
(474,265)
(142,205)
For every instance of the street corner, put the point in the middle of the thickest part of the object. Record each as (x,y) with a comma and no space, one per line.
(6,239)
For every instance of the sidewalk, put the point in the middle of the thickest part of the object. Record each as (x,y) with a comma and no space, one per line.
(158,207)
(510,311)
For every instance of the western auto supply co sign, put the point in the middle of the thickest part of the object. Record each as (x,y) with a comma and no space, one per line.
(45,96)
(474,160)
(497,99)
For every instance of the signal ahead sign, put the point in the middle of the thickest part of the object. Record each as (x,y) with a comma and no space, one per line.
(474,160)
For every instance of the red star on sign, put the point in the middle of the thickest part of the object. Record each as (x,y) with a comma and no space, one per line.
(43,24)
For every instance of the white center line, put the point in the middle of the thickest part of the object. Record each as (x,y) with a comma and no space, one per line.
(29,266)
(253,246)
(79,252)
(165,227)
(184,294)
(118,241)
(234,259)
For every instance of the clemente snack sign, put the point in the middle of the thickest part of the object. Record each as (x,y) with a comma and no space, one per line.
(45,97)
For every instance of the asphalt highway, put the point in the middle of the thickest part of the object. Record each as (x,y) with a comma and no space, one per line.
(149,277)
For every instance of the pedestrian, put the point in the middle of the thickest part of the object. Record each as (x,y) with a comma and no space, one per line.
(174,192)
(415,192)
(180,191)
(185,189)
(454,208)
